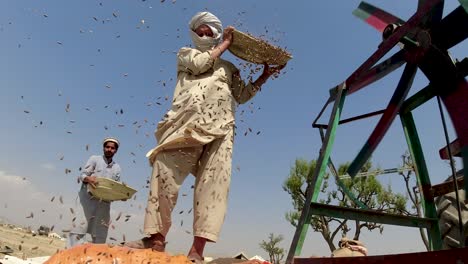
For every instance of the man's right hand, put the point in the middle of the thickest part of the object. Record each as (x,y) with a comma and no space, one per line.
(227,34)
(224,45)
(91,180)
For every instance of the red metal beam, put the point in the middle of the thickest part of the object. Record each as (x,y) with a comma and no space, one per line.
(452,256)
(388,44)
(455,148)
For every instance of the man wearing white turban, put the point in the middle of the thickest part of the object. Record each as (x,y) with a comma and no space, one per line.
(196,136)
(205,42)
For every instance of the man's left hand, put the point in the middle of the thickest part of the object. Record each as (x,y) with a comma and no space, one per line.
(269,71)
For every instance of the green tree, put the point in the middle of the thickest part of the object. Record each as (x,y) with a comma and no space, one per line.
(366,189)
(275,253)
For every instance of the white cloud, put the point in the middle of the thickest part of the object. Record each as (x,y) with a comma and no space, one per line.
(16,188)
(23,203)
(13,179)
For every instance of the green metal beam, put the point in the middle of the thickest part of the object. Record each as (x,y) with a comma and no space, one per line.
(317,176)
(464,3)
(338,93)
(371,216)
(345,189)
(464,153)
(418,99)
(422,176)
(340,183)
(305,229)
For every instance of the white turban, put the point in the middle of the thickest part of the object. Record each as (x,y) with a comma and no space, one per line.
(206,18)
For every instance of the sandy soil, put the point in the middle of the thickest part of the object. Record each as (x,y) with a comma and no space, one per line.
(25,245)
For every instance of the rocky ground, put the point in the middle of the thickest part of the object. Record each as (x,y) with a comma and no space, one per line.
(27,245)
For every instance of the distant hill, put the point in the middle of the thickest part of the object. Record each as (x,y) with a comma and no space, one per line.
(4,220)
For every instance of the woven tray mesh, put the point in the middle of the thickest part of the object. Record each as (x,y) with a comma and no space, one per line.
(110,190)
(258,51)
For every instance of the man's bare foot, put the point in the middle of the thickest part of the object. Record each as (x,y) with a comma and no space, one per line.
(196,251)
(195,258)
(155,242)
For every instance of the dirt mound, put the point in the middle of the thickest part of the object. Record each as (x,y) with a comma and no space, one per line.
(102,253)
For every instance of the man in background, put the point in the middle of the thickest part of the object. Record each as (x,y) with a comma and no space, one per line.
(94,216)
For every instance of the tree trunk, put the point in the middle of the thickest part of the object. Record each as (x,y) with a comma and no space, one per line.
(326,236)
(357,233)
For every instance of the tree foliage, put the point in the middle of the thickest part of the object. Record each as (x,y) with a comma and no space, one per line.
(275,253)
(368,190)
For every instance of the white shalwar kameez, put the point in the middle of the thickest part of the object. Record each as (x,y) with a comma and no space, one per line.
(94,215)
(196,136)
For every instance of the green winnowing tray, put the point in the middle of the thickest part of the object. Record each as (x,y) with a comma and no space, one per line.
(256,50)
(110,190)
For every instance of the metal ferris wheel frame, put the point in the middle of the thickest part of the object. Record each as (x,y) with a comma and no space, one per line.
(425,39)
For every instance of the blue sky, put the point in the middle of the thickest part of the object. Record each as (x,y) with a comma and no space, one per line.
(101,57)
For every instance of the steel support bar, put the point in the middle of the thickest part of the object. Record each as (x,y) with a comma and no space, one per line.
(446,187)
(318,173)
(422,177)
(427,93)
(389,43)
(351,119)
(451,30)
(456,104)
(464,4)
(386,120)
(453,90)
(324,107)
(340,183)
(452,256)
(418,99)
(464,152)
(378,172)
(371,216)
(434,16)
(380,70)
(455,149)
